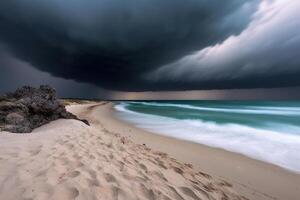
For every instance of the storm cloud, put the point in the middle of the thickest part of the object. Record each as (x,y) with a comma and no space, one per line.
(265,54)
(116,44)
(15,73)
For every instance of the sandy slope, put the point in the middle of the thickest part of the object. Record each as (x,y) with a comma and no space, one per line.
(254,179)
(68,160)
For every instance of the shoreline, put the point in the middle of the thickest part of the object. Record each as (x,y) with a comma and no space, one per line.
(234,167)
(111,159)
(114,114)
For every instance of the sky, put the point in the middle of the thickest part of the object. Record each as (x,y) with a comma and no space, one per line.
(153,49)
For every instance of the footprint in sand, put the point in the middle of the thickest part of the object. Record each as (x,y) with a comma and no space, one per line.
(76,156)
(99,153)
(148,193)
(204,175)
(79,164)
(159,175)
(99,168)
(99,138)
(92,157)
(188,192)
(109,178)
(143,167)
(70,146)
(178,170)
(121,165)
(74,174)
(176,194)
(93,183)
(161,164)
(111,156)
(202,192)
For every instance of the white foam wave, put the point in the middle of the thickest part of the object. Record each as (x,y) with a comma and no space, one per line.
(253,110)
(279,148)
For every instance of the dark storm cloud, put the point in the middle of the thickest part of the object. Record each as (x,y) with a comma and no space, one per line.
(265,54)
(15,73)
(114,43)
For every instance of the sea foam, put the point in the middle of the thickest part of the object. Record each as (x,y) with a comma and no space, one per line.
(274,147)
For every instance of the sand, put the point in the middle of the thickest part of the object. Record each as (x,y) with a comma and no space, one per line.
(111,159)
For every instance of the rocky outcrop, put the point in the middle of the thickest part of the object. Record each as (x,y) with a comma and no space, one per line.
(28,108)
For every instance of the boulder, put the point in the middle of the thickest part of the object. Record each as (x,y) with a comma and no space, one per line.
(28,108)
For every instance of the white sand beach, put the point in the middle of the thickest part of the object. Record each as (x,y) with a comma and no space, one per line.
(111,159)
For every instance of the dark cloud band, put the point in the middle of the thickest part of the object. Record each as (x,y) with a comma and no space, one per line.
(114,43)
(265,54)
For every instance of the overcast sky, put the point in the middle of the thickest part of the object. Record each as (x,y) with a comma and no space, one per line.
(141,49)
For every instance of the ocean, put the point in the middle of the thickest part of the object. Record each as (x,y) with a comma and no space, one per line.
(265,130)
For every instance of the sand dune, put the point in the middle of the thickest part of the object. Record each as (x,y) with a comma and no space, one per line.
(68,160)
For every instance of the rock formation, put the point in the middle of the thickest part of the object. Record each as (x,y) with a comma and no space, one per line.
(28,108)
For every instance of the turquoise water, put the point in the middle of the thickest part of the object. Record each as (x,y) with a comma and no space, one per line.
(264,130)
